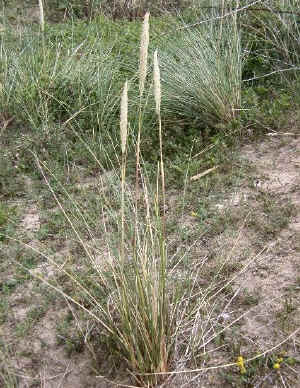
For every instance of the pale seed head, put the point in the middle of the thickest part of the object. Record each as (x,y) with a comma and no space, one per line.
(42,19)
(144,53)
(156,79)
(124,117)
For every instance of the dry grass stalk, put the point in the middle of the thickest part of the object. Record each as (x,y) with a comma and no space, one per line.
(144,53)
(42,18)
(123,135)
(157,97)
(202,174)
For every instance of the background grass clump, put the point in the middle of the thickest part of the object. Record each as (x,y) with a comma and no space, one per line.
(202,73)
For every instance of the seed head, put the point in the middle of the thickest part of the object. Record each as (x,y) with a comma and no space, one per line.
(124,117)
(144,53)
(156,78)
(42,19)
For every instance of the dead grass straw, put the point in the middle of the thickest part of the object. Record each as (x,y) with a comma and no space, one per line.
(157,97)
(123,135)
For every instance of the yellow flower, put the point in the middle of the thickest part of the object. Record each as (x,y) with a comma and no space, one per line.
(240,360)
(280,359)
(276,365)
(240,363)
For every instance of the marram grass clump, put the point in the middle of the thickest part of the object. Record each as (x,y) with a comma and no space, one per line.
(145,332)
(202,73)
(140,305)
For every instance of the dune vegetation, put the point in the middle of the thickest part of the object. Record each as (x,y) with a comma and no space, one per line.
(138,232)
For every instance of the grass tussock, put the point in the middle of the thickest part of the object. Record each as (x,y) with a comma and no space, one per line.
(140,303)
(202,73)
(46,86)
(144,307)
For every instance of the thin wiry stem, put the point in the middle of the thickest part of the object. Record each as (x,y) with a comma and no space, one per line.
(271,73)
(157,96)
(231,13)
(123,135)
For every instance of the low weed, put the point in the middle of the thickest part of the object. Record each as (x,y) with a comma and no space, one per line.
(275,215)
(8,377)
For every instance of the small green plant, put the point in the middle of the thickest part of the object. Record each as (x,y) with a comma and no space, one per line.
(8,376)
(276,215)
(4,215)
(73,341)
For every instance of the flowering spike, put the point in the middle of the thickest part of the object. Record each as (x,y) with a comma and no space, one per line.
(124,117)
